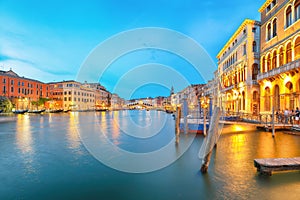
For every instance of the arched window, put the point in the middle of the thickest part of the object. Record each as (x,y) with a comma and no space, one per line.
(243,101)
(269,32)
(267,99)
(289,53)
(297,9)
(277,98)
(254,46)
(269,62)
(274,27)
(281,57)
(263,64)
(288,16)
(254,71)
(255,96)
(274,60)
(297,48)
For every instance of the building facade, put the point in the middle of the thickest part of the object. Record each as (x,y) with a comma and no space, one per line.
(71,95)
(280,55)
(20,90)
(238,67)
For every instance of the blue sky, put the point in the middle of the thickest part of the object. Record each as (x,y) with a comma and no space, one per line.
(50,40)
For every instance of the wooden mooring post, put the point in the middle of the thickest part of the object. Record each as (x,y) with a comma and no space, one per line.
(210,140)
(177,123)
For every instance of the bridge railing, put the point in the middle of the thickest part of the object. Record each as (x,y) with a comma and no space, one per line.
(259,118)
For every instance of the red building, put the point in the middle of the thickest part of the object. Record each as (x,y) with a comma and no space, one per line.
(20,90)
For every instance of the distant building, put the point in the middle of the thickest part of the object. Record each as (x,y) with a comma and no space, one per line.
(117,103)
(71,95)
(280,55)
(102,96)
(20,90)
(238,67)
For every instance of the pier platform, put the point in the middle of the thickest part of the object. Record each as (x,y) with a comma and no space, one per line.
(276,126)
(268,165)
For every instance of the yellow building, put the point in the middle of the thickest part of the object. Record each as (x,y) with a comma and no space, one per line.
(280,53)
(238,67)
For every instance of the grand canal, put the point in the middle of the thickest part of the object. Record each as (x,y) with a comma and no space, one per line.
(44,157)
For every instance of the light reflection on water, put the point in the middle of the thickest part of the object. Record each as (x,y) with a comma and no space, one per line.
(42,156)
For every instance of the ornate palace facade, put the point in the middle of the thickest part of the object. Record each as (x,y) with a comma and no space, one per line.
(238,67)
(279,76)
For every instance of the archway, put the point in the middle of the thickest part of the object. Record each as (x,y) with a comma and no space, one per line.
(267,99)
(254,71)
(276,98)
(289,97)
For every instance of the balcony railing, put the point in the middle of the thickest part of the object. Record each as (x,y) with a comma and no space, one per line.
(285,68)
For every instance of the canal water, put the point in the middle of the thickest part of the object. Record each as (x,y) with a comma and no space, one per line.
(63,156)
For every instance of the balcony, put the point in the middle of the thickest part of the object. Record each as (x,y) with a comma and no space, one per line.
(292,66)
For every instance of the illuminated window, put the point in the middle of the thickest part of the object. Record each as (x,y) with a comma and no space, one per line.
(281,56)
(274,60)
(297,48)
(289,53)
(277,98)
(267,99)
(254,71)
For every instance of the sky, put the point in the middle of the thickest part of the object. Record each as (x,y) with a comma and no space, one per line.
(61,40)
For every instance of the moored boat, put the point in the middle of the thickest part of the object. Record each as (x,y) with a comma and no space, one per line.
(36,111)
(56,111)
(20,111)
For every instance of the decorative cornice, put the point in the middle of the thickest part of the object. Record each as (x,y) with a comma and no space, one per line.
(265,5)
(239,30)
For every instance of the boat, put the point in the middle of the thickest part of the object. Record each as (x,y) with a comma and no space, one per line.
(101,110)
(56,111)
(194,125)
(36,111)
(19,111)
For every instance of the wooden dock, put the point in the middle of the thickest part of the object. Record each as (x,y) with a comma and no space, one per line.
(267,166)
(276,127)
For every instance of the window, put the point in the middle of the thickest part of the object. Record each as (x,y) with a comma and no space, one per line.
(274,27)
(254,49)
(269,32)
(281,56)
(4,80)
(288,17)
(267,99)
(22,83)
(65,99)
(297,48)
(269,63)
(12,82)
(12,89)
(69,98)
(274,60)
(254,30)
(254,71)
(4,89)
(245,49)
(19,90)
(297,10)
(289,53)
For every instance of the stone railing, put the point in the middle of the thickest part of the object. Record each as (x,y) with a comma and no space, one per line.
(285,68)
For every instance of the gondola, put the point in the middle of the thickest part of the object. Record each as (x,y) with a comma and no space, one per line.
(20,111)
(36,111)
